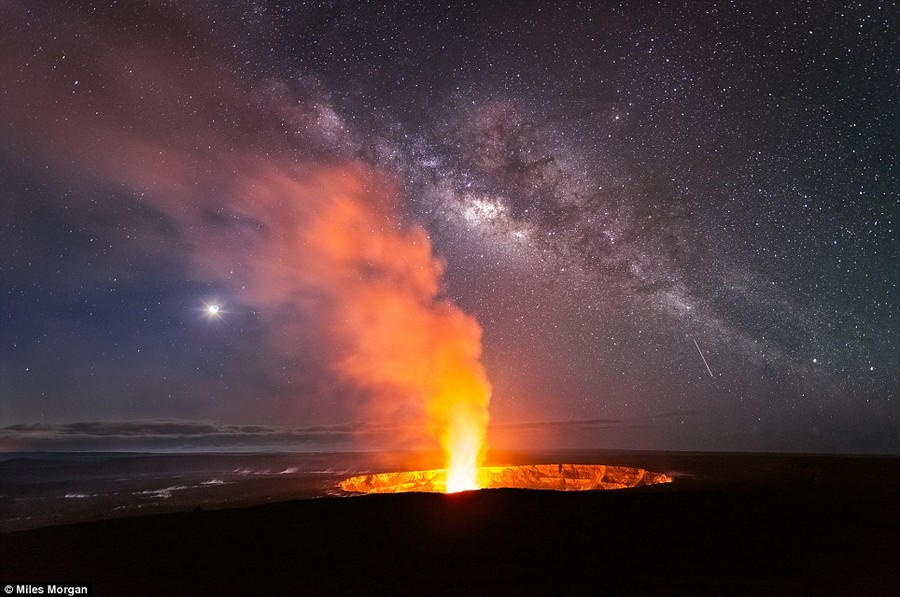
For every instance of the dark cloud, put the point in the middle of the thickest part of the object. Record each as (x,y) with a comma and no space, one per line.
(188,435)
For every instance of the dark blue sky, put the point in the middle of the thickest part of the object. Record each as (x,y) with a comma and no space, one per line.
(618,191)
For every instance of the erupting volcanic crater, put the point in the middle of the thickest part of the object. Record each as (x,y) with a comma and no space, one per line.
(558,477)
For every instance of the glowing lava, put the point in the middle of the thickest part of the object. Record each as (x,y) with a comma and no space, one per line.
(558,477)
(463,444)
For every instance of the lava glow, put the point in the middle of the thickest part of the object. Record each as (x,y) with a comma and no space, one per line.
(464,448)
(557,477)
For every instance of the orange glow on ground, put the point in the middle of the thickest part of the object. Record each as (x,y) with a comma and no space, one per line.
(558,477)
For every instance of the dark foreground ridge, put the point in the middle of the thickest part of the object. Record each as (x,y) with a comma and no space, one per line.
(793,527)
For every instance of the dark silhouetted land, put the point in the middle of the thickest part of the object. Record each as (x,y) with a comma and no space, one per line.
(729,525)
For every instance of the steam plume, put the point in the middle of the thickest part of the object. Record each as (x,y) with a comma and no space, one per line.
(160,112)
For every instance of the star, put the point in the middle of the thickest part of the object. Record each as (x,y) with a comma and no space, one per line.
(592,203)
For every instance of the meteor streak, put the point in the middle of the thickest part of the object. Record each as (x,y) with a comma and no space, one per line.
(703,357)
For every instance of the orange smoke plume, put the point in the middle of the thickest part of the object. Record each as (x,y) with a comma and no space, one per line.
(398,337)
(306,242)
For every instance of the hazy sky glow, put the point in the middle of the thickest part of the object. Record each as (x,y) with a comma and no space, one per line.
(674,224)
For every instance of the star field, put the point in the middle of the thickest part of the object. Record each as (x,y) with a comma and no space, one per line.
(620,194)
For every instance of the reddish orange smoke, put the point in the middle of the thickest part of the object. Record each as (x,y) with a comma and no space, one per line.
(412,349)
(318,247)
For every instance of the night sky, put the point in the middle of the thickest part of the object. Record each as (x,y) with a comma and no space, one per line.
(674,223)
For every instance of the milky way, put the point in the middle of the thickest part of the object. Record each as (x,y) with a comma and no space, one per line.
(677,223)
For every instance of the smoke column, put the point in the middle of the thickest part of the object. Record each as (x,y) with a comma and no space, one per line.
(398,337)
(162,112)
